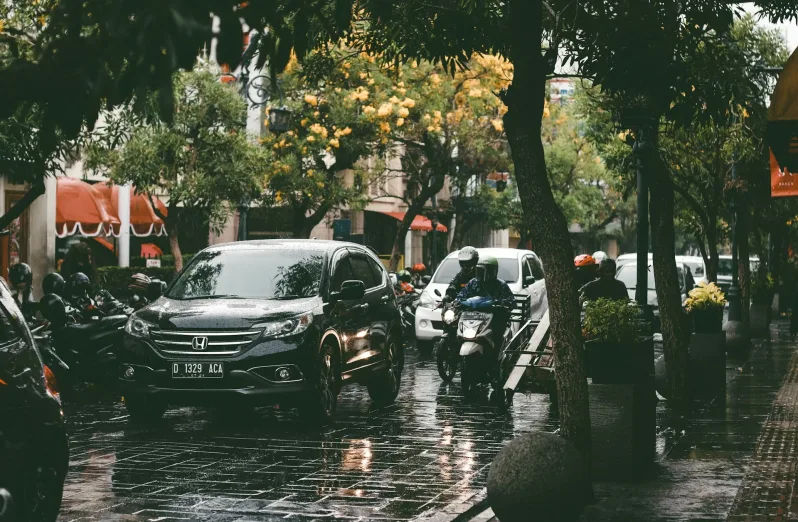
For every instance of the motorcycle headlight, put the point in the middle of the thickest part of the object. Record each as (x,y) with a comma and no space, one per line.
(449,317)
(286,327)
(138,327)
(427,301)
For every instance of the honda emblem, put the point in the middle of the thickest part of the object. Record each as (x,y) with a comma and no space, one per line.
(199,343)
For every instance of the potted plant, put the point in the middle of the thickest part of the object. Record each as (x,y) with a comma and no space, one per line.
(620,362)
(705,305)
(614,335)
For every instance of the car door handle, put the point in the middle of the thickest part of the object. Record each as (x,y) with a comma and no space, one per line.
(385,299)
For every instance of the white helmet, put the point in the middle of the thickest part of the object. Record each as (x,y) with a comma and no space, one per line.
(600,256)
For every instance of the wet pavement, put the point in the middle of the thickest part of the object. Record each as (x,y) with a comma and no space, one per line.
(429,450)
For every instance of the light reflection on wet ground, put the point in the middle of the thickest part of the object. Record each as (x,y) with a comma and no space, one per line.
(429,449)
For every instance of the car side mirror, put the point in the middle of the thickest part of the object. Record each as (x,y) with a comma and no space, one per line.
(350,290)
(529,280)
(438,293)
(155,289)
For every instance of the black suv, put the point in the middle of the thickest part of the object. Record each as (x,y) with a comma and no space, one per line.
(279,321)
(34,452)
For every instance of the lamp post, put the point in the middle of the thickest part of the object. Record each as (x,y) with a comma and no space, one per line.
(639,149)
(736,336)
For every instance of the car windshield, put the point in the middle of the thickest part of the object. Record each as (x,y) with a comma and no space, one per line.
(725,266)
(508,270)
(263,273)
(628,276)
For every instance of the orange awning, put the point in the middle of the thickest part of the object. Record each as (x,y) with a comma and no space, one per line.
(151,250)
(91,210)
(419,223)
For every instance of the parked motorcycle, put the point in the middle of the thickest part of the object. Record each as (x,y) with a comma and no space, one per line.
(407,298)
(479,357)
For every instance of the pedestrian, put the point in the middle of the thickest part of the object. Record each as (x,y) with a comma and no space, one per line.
(606,286)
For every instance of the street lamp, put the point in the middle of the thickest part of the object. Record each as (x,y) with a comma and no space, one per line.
(736,336)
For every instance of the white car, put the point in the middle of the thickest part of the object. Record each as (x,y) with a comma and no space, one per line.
(725,270)
(694,263)
(520,269)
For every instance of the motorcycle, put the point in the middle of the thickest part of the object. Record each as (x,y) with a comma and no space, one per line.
(479,357)
(407,300)
(447,349)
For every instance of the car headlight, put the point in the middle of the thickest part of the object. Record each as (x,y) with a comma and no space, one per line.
(138,327)
(449,317)
(286,327)
(427,301)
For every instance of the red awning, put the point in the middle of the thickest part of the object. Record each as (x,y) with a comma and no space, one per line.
(91,210)
(419,222)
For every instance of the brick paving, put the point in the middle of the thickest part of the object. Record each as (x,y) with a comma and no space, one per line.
(428,451)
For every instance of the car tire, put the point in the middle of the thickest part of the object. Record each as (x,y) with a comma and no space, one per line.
(320,406)
(385,388)
(447,361)
(425,347)
(143,409)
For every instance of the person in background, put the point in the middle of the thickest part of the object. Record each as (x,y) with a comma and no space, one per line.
(21,278)
(468,257)
(606,286)
(79,258)
(586,269)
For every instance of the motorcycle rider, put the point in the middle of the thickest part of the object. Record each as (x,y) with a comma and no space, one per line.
(606,286)
(21,278)
(404,283)
(53,284)
(486,283)
(468,257)
(586,269)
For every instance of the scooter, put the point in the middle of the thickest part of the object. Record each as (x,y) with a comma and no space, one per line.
(407,300)
(447,349)
(479,358)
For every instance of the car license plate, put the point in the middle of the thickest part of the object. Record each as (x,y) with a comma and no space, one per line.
(192,370)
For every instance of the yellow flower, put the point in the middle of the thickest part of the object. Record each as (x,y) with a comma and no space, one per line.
(401,84)
(265,122)
(337,89)
(385,110)
(346,65)
(404,112)
(311,138)
(475,92)
(437,115)
(497,124)
(394,99)
(278,197)
(414,64)
(334,142)
(385,126)
(368,109)
(409,103)
(312,100)
(346,131)
(435,79)
(431,128)
(371,81)
(346,75)
(2,24)
(360,94)
(316,114)
(304,122)
(400,122)
(363,75)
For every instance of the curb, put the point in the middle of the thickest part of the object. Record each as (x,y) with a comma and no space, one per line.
(461,511)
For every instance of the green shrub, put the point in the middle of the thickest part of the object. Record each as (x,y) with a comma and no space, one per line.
(613,321)
(115,278)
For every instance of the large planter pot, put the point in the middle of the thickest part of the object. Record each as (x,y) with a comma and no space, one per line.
(708,360)
(760,326)
(708,320)
(626,363)
(622,408)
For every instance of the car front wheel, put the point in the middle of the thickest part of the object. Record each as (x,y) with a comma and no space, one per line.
(385,388)
(320,406)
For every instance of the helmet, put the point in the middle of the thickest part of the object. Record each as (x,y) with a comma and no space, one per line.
(138,283)
(53,309)
(53,284)
(584,260)
(419,267)
(78,284)
(468,257)
(20,274)
(600,256)
(487,269)
(404,276)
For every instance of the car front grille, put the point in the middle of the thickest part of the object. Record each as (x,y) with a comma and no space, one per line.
(220,342)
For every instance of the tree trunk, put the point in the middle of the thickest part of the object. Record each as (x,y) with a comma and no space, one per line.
(416,205)
(776,252)
(463,225)
(714,260)
(302,224)
(744,263)
(36,190)
(172,230)
(675,334)
(525,100)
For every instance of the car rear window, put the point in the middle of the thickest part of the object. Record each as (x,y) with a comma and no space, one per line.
(508,270)
(264,273)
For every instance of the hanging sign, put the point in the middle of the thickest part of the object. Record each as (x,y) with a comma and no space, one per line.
(782,132)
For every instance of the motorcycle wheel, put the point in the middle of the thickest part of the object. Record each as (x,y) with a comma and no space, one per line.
(469,374)
(447,361)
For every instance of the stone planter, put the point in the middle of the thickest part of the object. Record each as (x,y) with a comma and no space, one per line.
(622,408)
(760,320)
(708,360)
(708,320)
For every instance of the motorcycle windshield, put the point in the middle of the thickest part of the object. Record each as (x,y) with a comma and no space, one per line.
(478,303)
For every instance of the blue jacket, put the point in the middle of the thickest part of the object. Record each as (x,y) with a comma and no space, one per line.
(496,290)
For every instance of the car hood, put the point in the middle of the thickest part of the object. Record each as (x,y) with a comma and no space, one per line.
(430,289)
(172,314)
